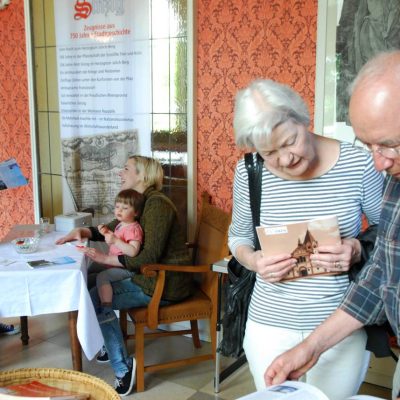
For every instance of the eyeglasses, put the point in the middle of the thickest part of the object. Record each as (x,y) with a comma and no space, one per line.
(387,152)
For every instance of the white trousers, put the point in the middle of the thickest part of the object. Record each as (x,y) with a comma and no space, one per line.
(338,373)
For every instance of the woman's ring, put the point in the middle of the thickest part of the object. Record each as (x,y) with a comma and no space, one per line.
(338,265)
(271,274)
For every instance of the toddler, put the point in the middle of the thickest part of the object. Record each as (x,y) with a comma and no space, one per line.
(126,239)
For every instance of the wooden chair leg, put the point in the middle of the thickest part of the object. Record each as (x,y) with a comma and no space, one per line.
(195,333)
(213,333)
(139,355)
(123,323)
(24,330)
(76,350)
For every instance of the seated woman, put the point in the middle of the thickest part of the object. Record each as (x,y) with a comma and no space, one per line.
(164,242)
(305,176)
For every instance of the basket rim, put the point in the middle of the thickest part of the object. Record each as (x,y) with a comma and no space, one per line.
(58,374)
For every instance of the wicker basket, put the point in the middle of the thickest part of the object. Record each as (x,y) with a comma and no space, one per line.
(63,379)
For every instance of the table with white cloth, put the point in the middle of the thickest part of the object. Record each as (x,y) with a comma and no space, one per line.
(51,289)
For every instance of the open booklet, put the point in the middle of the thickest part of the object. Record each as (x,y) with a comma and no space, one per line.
(55,261)
(300,239)
(293,390)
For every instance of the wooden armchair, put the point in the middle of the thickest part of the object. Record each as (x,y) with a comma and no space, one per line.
(211,245)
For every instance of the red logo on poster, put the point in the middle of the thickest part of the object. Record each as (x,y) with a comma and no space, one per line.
(83,9)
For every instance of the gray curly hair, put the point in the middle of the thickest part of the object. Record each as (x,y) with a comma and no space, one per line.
(262,106)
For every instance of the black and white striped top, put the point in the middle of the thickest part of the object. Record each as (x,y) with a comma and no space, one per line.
(350,188)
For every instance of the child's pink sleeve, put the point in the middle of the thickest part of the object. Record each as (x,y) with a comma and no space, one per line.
(134,232)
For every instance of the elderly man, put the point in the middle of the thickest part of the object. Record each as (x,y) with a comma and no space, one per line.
(375,116)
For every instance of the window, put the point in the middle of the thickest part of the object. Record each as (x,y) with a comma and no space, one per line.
(170,118)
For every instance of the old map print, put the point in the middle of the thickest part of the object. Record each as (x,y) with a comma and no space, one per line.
(91,167)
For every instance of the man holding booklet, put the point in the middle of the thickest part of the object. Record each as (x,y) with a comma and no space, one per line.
(375,116)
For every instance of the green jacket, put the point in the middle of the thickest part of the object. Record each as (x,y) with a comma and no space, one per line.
(164,243)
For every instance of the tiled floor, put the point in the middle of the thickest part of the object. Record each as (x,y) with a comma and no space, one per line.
(49,347)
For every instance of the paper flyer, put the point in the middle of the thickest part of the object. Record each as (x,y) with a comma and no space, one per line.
(11,175)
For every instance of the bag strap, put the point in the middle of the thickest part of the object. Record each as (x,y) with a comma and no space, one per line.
(254,171)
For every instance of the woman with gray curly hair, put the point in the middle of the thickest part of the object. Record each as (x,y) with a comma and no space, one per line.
(304,176)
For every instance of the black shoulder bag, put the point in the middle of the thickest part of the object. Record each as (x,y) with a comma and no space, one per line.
(240,279)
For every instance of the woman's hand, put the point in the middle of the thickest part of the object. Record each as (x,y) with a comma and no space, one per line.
(339,257)
(76,234)
(273,268)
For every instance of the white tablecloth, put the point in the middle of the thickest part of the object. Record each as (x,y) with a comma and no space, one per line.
(54,289)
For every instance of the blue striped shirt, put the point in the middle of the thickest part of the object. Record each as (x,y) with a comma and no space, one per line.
(351,187)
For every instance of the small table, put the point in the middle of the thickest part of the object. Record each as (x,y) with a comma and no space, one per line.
(47,290)
(221,267)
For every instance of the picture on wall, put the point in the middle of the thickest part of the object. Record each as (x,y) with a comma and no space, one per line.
(366,28)
(350,32)
(91,167)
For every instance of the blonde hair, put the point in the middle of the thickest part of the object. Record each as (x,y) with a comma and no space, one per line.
(151,169)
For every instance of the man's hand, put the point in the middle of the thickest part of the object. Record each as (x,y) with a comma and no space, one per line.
(291,365)
(297,361)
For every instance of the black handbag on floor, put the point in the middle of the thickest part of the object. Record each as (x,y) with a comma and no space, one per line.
(240,280)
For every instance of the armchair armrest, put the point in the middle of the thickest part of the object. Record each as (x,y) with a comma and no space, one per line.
(152,270)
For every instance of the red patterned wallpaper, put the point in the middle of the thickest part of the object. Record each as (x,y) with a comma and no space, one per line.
(16,205)
(238,41)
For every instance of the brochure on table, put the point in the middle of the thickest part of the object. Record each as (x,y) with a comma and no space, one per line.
(293,390)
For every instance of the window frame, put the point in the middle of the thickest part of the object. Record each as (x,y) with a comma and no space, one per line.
(191,196)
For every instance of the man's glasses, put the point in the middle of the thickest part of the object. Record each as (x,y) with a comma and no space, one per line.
(387,152)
